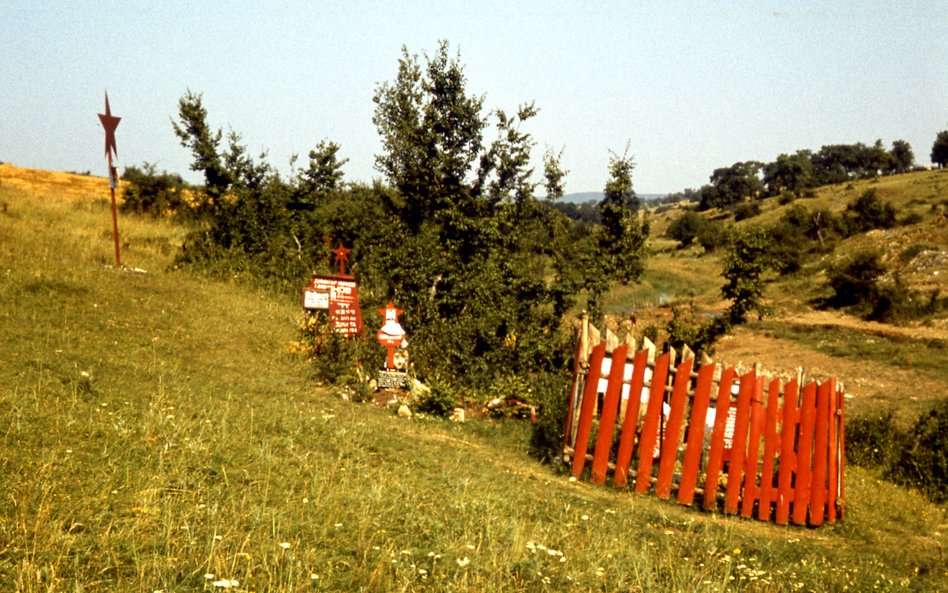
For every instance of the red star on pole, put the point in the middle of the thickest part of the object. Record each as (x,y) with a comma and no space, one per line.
(109,122)
(342,256)
(390,313)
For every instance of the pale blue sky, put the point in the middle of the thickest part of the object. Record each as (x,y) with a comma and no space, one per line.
(690,86)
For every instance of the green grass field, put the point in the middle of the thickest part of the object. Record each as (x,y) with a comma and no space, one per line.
(156,435)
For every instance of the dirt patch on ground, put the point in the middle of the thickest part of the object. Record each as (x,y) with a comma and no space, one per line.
(869,384)
(938,330)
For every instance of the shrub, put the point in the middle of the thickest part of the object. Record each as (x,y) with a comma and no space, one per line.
(746,210)
(856,283)
(786,197)
(712,236)
(336,360)
(686,228)
(511,396)
(868,212)
(148,192)
(923,459)
(917,457)
(551,394)
(439,400)
(873,441)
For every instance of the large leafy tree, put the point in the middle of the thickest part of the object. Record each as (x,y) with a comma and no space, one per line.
(196,135)
(730,185)
(431,133)
(939,154)
(901,157)
(792,173)
(472,256)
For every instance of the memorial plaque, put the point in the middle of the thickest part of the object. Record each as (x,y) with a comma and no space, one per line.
(391,379)
(345,316)
(315,299)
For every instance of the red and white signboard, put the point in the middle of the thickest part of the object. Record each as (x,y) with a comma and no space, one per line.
(339,295)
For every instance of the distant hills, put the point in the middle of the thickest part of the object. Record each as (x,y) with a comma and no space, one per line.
(595,196)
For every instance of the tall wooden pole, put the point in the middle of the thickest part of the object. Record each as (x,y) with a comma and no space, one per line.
(110,122)
(113,182)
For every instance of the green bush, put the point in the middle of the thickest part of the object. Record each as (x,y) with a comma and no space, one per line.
(746,210)
(923,459)
(786,197)
(713,236)
(868,212)
(439,400)
(917,457)
(551,392)
(859,286)
(686,228)
(873,441)
(146,191)
(855,283)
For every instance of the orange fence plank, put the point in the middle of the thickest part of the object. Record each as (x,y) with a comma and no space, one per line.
(676,414)
(630,422)
(587,409)
(750,493)
(771,446)
(841,487)
(788,459)
(798,429)
(650,427)
(801,497)
(721,406)
(820,451)
(699,414)
(833,453)
(607,416)
(738,443)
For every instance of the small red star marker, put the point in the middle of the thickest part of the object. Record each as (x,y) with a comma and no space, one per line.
(390,313)
(342,256)
(109,122)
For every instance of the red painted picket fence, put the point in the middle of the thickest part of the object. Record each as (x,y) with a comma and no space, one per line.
(743,443)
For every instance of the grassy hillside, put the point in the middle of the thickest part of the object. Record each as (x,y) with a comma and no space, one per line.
(155,431)
(884,366)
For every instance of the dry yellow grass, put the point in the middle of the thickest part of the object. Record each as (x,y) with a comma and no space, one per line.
(54,184)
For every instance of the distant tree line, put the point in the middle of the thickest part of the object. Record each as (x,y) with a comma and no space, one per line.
(794,174)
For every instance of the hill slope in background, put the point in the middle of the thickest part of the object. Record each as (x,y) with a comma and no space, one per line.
(883,366)
(156,434)
(596,196)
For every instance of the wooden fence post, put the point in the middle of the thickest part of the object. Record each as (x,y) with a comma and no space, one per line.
(834,418)
(651,425)
(801,497)
(739,442)
(580,366)
(669,454)
(607,416)
(788,458)
(820,452)
(771,446)
(630,422)
(715,457)
(587,409)
(696,425)
(751,491)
